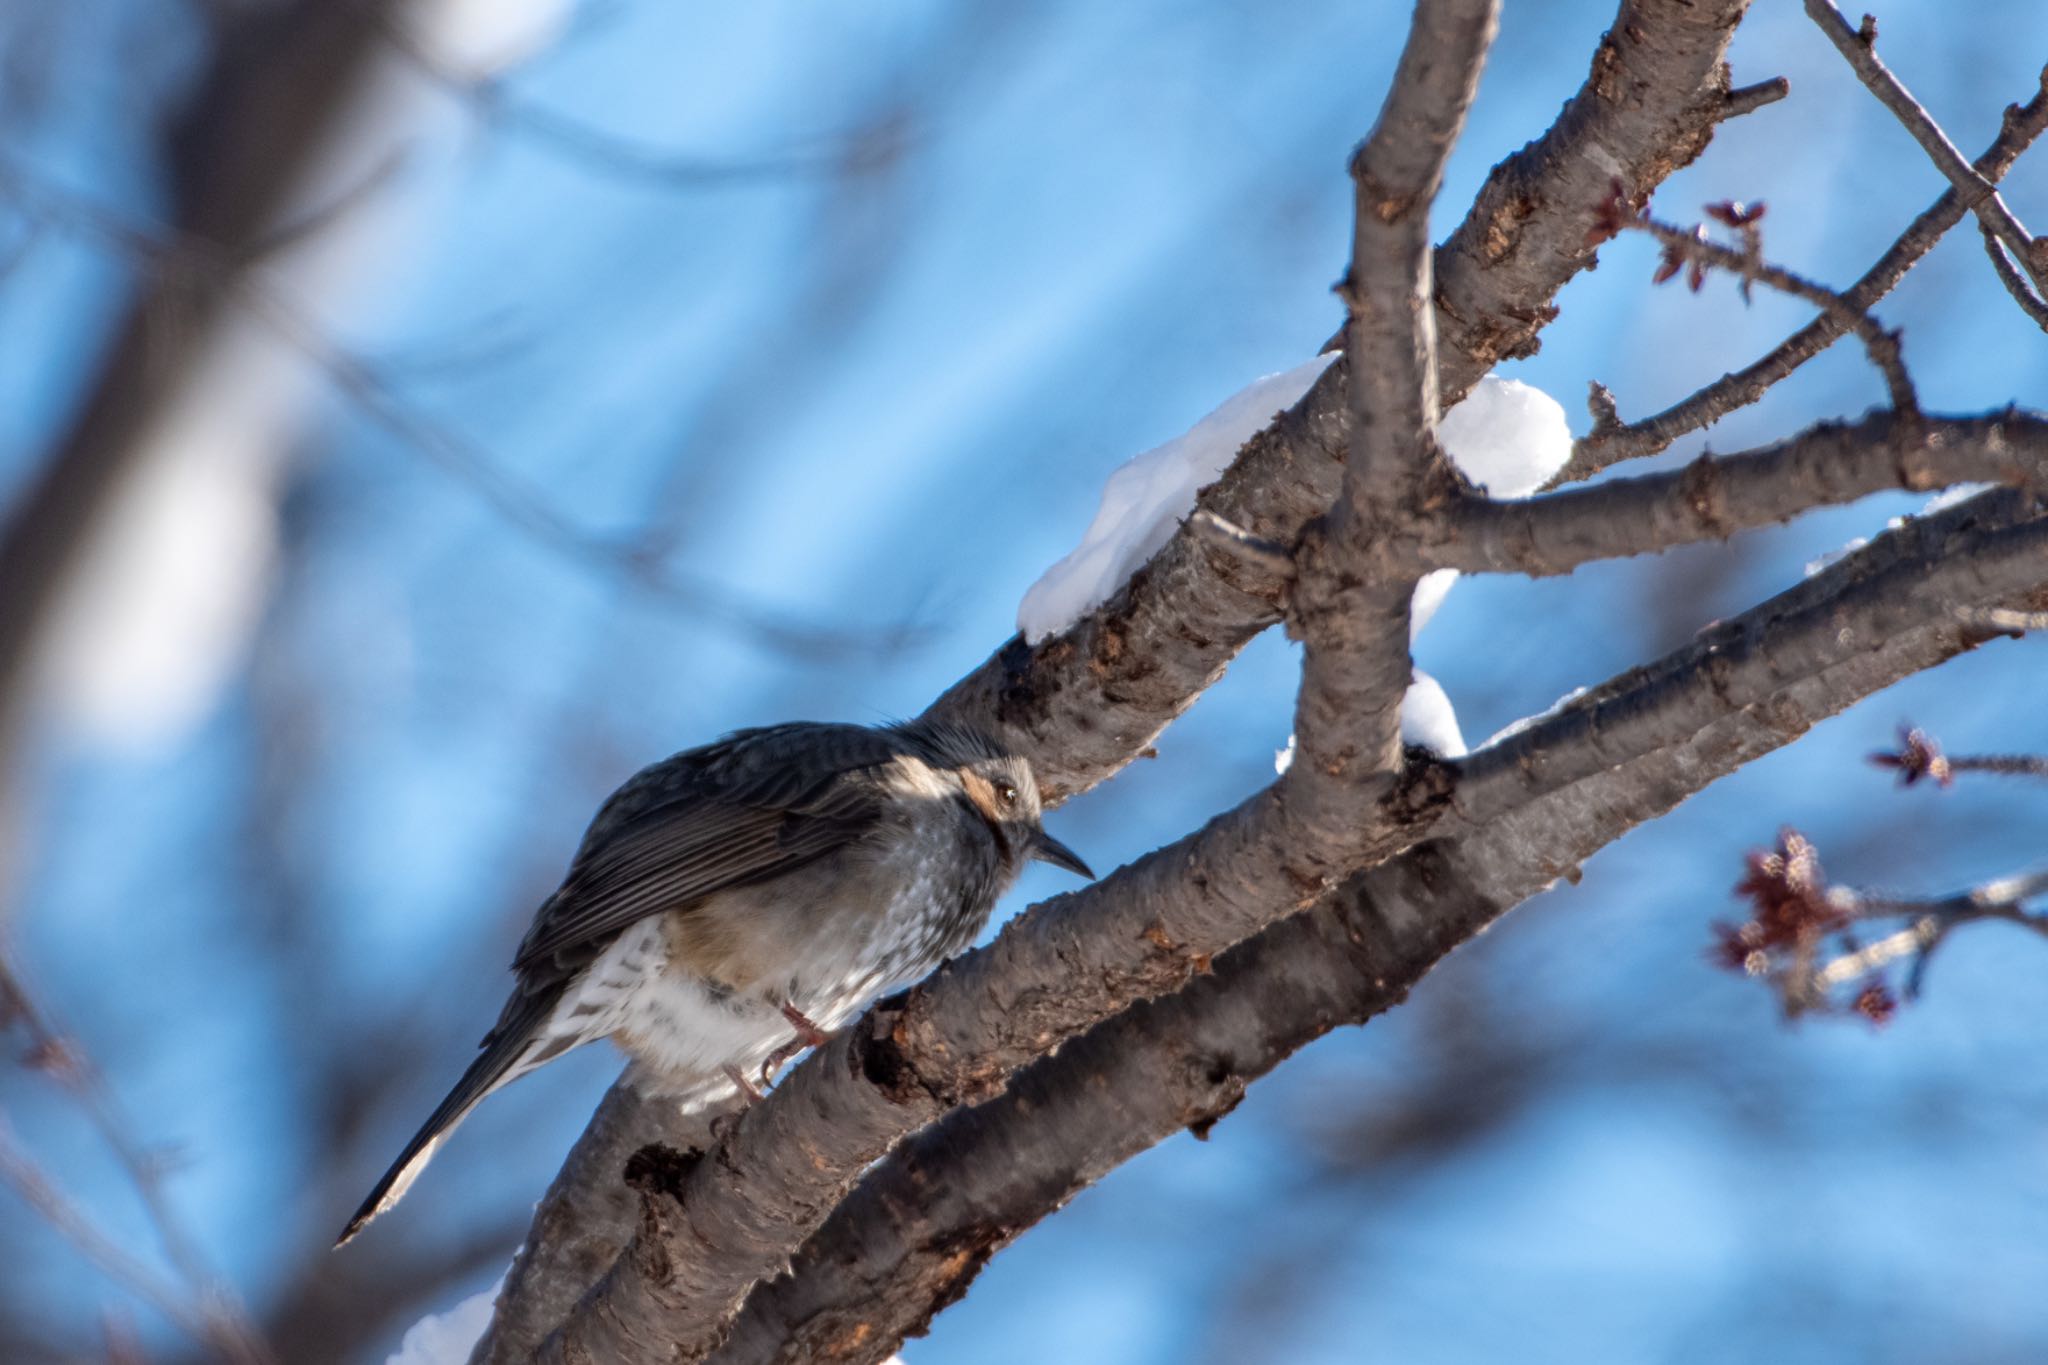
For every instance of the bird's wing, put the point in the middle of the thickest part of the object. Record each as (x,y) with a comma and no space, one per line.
(745,811)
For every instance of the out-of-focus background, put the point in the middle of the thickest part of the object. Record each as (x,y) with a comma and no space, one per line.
(603,376)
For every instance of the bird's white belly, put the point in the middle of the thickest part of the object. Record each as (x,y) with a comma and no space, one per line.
(682,1026)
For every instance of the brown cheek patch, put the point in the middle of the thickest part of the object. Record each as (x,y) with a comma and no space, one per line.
(982,794)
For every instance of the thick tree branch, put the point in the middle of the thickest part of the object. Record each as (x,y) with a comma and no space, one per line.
(920,1228)
(1065,965)
(1088,701)
(1359,562)
(1715,496)
(1084,704)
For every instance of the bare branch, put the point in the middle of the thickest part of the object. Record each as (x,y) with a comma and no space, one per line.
(2001,265)
(1714,497)
(1683,246)
(1358,565)
(1750,98)
(917,1232)
(1979,195)
(1611,441)
(1082,705)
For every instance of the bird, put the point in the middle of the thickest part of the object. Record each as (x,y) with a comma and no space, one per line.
(735,902)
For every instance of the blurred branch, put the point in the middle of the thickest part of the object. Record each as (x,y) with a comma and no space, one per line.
(493,102)
(276,79)
(65,1062)
(1803,938)
(206,1317)
(172,258)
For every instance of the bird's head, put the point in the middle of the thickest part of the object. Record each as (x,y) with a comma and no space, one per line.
(1003,791)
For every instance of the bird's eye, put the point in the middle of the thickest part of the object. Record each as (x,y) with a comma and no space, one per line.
(1006,793)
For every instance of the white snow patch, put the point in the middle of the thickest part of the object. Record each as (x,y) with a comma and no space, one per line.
(1507,437)
(1147,497)
(447,1338)
(1949,497)
(1427,720)
(1833,557)
(1516,727)
(1429,595)
(1940,502)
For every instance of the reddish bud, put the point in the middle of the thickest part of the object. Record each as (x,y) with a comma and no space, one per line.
(1918,756)
(1790,893)
(1611,214)
(1734,213)
(1876,1003)
(1668,265)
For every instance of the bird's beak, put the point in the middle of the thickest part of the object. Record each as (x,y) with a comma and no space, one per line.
(1047,849)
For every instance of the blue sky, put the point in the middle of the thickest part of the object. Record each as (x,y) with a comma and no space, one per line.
(892,397)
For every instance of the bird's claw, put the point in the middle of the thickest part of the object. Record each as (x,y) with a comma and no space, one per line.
(808,1034)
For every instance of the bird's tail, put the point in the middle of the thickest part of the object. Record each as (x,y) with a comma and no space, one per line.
(511,1049)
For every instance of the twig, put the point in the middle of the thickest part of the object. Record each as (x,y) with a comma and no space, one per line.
(1859,48)
(2008,275)
(1919,756)
(1693,247)
(1611,441)
(1748,99)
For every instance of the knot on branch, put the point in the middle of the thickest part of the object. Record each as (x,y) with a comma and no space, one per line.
(882,1054)
(660,1170)
(1422,790)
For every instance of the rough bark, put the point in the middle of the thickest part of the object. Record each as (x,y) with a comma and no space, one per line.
(920,1227)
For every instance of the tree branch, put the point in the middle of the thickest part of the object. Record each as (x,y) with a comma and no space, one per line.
(1612,441)
(1083,704)
(910,1240)
(1359,563)
(1715,496)
(1980,196)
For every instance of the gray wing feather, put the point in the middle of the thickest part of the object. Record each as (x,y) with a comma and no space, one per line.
(755,806)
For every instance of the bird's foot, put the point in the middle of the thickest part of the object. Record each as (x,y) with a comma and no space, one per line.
(748,1089)
(808,1034)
